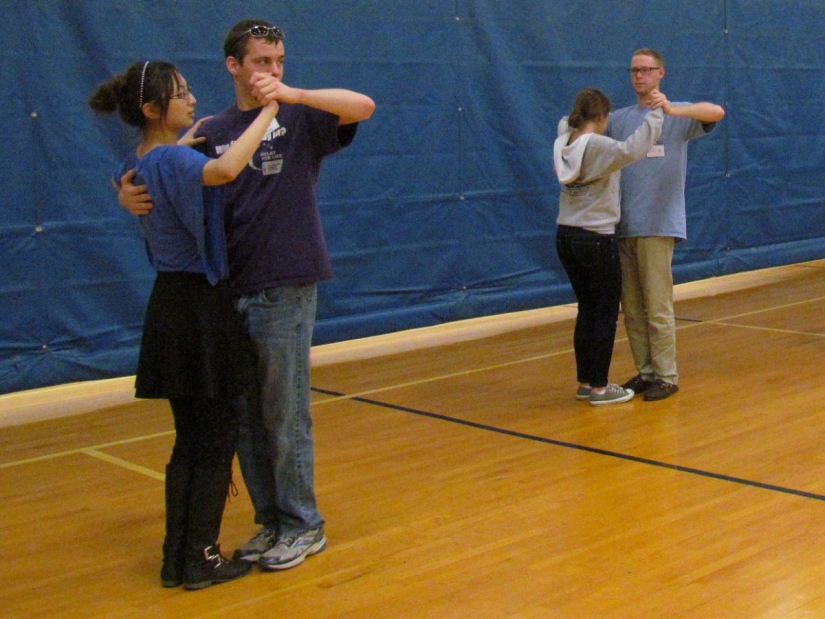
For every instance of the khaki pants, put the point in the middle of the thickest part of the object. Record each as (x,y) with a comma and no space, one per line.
(647,304)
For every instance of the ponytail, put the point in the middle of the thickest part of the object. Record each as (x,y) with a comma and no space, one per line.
(142,82)
(588,105)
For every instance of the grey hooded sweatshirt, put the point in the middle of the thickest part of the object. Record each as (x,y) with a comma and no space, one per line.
(589,171)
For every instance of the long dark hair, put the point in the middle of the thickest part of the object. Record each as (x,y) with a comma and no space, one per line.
(143,82)
(588,105)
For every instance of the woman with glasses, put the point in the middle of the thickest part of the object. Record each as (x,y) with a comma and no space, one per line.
(277,257)
(193,341)
(588,165)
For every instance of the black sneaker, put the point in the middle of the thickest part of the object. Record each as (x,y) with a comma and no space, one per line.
(212,569)
(660,390)
(638,384)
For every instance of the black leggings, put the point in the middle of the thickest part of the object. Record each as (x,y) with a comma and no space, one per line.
(206,432)
(591,261)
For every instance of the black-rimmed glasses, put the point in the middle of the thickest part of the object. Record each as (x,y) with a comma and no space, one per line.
(183,94)
(262,32)
(642,70)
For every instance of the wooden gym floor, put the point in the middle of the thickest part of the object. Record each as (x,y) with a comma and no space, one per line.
(464,480)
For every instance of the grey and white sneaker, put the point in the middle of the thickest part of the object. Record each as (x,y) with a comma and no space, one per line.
(252,550)
(291,550)
(613,394)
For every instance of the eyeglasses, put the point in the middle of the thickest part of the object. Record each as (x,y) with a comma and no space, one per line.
(183,94)
(262,32)
(642,70)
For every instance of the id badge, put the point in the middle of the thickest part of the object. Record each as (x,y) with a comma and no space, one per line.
(658,150)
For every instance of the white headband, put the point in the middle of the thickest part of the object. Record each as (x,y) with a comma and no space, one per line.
(142,79)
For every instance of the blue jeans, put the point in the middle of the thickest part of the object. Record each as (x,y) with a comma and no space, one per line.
(275,447)
(591,261)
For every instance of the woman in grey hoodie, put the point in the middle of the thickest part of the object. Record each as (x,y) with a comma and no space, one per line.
(587,165)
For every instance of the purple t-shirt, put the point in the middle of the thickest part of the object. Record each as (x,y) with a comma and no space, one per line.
(273,227)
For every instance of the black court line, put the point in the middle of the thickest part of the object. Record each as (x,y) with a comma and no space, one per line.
(679,319)
(594,450)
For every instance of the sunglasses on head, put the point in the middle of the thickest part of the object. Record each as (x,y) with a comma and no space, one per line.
(263,32)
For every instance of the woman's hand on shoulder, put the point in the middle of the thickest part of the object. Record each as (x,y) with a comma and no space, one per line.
(188,138)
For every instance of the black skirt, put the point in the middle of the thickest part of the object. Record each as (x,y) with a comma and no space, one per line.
(194,342)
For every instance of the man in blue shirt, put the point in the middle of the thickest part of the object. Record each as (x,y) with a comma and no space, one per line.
(652,221)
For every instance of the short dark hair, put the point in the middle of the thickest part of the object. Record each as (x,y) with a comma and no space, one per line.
(234,43)
(588,105)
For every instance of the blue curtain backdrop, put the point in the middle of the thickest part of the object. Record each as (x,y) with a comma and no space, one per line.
(444,207)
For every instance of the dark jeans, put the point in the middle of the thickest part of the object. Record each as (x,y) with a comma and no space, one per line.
(591,261)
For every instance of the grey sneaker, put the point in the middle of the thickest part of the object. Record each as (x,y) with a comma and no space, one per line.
(583,393)
(291,550)
(613,394)
(252,550)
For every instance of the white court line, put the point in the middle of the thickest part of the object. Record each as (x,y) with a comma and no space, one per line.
(124,463)
(85,450)
(433,379)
